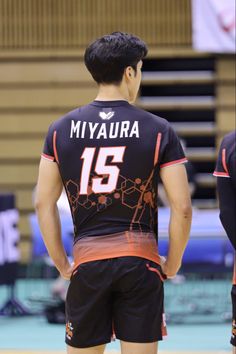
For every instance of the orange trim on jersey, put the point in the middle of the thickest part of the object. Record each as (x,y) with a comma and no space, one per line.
(224,161)
(116,254)
(48,157)
(137,244)
(141,199)
(157,149)
(220,174)
(55,145)
(175,162)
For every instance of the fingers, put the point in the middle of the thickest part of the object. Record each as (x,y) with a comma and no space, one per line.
(67,272)
(163,260)
(170,273)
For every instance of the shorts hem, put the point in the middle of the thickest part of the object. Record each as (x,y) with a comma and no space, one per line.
(152,340)
(233,343)
(94,344)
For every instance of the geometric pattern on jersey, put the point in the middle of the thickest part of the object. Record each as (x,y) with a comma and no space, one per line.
(137,195)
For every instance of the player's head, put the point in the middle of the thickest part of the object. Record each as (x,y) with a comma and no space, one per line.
(116,58)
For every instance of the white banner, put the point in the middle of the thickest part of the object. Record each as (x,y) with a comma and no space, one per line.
(9,236)
(213,24)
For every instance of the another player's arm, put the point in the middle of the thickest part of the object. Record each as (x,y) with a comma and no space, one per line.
(175,182)
(48,191)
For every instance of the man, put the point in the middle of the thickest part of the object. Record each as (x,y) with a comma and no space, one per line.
(109,155)
(226,187)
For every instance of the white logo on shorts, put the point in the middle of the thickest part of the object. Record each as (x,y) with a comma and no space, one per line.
(69,330)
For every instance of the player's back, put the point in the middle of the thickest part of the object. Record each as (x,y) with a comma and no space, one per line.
(109,154)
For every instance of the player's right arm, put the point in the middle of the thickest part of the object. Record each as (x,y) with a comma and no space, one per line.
(48,191)
(175,182)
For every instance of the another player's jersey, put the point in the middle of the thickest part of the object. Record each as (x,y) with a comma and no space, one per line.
(226,168)
(109,156)
(226,161)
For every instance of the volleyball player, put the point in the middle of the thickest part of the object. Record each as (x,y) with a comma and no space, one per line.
(109,155)
(226,187)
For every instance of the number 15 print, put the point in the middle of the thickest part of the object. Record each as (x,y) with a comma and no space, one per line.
(112,171)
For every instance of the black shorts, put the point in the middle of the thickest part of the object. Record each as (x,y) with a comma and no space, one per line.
(120,295)
(233,296)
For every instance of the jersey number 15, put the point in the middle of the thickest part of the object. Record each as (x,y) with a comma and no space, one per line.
(112,171)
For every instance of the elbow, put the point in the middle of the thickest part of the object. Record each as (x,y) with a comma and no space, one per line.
(38,205)
(187,211)
(184,210)
(44,205)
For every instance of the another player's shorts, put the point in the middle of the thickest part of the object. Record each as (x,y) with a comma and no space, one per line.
(233,296)
(121,296)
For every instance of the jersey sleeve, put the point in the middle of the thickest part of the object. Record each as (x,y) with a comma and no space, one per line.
(48,151)
(221,169)
(225,167)
(171,152)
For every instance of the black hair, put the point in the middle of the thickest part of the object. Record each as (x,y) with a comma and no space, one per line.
(107,57)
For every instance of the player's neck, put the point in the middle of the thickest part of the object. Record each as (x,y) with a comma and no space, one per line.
(112,93)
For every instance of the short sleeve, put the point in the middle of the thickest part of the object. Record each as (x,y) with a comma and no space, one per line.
(171,152)
(48,152)
(221,169)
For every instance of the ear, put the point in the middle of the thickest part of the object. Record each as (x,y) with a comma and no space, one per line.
(129,72)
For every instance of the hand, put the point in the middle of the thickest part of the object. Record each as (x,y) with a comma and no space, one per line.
(163,261)
(66,273)
(167,269)
(162,264)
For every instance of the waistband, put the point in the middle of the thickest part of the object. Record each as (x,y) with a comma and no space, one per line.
(128,243)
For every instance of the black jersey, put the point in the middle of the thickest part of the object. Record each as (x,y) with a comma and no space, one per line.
(109,155)
(226,167)
(226,161)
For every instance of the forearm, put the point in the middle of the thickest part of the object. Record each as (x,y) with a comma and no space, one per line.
(50,227)
(179,229)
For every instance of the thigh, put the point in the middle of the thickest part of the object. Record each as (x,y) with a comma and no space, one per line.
(93,350)
(138,301)
(88,306)
(138,348)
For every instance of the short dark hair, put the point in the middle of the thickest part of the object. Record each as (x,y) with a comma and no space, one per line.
(107,57)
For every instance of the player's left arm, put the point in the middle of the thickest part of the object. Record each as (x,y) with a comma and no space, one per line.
(48,191)
(175,182)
